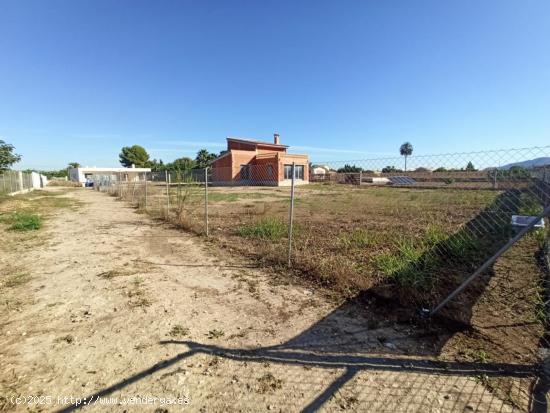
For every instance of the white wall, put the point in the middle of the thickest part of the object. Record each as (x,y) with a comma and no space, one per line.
(35,177)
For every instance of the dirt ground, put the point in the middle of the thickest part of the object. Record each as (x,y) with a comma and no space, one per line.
(119,312)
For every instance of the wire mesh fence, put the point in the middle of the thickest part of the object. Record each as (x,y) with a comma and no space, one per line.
(409,235)
(360,223)
(12,182)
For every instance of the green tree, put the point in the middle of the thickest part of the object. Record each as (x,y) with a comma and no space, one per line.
(181,164)
(55,174)
(470,167)
(156,166)
(204,158)
(134,155)
(7,157)
(74,165)
(350,169)
(389,169)
(406,150)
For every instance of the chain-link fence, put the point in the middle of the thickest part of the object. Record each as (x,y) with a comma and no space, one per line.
(13,182)
(410,231)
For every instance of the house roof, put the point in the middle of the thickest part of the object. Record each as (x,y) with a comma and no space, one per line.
(255,142)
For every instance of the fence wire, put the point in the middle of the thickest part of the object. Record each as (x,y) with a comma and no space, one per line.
(409,234)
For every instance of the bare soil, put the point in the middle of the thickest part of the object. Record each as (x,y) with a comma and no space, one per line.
(106,304)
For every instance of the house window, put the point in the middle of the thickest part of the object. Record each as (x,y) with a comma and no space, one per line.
(288,171)
(245,172)
(298,171)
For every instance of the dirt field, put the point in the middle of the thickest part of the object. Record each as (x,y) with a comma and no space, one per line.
(110,306)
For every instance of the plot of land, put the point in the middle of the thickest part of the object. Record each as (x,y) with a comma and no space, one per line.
(104,302)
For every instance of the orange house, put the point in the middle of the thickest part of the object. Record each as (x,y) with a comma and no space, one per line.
(248,162)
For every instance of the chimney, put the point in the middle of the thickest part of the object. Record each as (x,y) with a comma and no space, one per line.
(276,139)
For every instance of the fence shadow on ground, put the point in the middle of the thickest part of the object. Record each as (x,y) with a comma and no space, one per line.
(343,342)
(351,340)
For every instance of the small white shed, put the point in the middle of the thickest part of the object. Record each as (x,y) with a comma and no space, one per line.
(81,174)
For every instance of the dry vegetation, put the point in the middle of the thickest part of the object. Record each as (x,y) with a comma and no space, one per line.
(176,289)
(409,245)
(23,221)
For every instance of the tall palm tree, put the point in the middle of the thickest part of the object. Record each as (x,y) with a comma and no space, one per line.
(406,150)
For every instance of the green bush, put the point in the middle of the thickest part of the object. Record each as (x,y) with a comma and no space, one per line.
(267,228)
(23,221)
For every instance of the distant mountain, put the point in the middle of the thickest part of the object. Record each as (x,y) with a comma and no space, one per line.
(532,163)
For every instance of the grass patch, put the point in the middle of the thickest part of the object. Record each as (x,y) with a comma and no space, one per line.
(17,279)
(139,302)
(22,221)
(529,205)
(409,266)
(114,273)
(434,235)
(67,339)
(476,355)
(267,228)
(268,383)
(358,238)
(236,196)
(213,334)
(178,331)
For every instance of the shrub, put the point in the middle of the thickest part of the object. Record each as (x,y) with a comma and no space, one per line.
(23,221)
(267,228)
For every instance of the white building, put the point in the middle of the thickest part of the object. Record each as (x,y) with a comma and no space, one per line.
(319,169)
(82,174)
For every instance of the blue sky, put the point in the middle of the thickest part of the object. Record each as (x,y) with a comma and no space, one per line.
(337,79)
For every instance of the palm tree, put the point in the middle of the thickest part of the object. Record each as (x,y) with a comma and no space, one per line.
(74,165)
(406,150)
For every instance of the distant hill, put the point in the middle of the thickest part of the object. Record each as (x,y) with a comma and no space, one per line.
(532,163)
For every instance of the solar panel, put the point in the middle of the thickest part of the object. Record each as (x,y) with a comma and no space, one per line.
(524,220)
(401,180)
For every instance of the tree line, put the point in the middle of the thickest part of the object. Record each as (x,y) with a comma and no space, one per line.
(137,156)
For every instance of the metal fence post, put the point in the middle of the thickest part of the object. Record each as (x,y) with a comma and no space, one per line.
(146,191)
(291,214)
(167,176)
(491,260)
(206,200)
